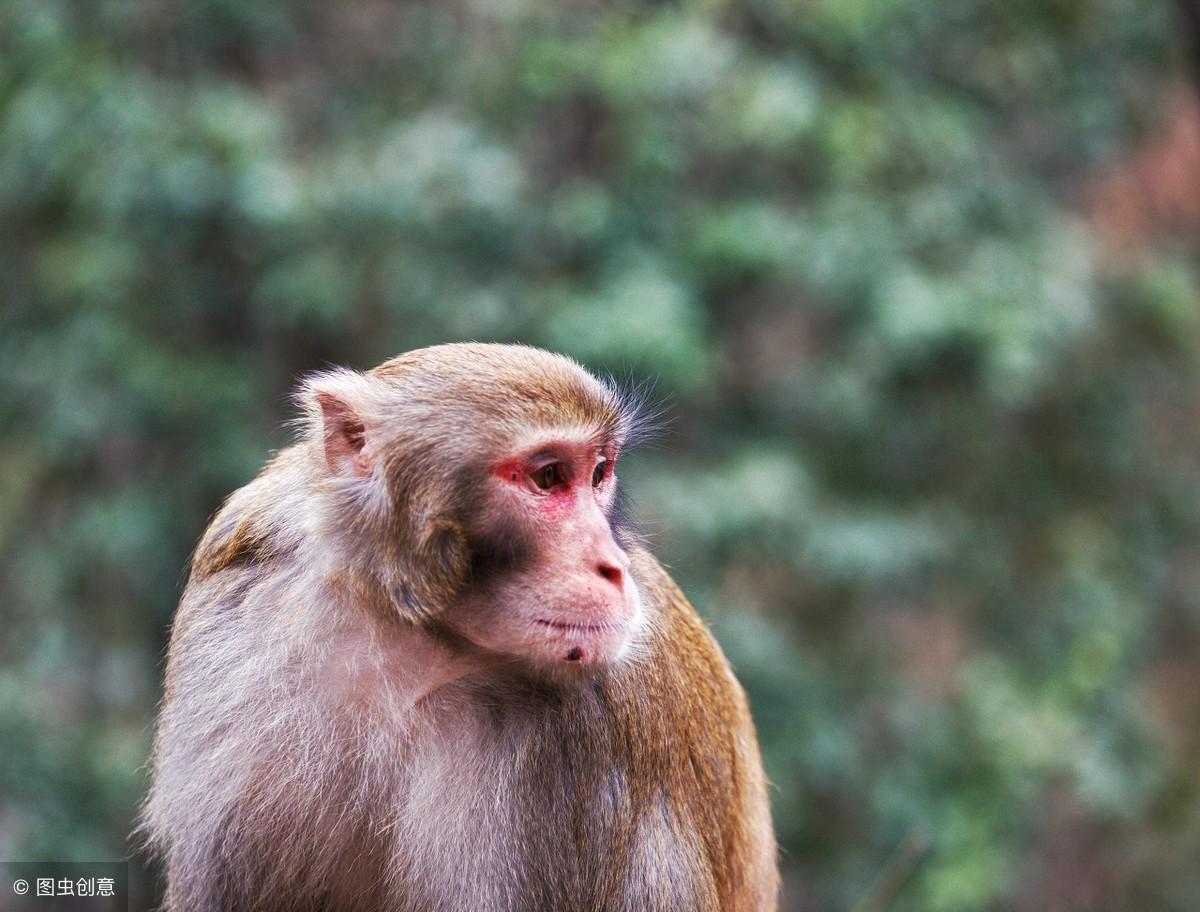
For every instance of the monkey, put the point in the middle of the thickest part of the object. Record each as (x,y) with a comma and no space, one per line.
(424,662)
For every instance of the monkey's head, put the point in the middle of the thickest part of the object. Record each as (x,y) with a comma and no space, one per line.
(474,485)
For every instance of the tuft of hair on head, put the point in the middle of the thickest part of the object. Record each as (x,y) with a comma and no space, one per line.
(645,417)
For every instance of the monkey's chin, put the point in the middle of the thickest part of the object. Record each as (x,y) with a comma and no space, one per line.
(570,642)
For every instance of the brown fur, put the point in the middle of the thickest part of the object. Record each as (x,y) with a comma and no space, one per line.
(326,742)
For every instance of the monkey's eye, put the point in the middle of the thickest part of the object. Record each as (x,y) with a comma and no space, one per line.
(548,476)
(599,472)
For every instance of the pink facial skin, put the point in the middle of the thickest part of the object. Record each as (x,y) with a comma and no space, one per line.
(578,603)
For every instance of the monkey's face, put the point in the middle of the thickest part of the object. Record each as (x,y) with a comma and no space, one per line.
(550,582)
(475,484)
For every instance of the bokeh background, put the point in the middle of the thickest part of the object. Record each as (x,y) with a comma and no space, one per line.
(919,283)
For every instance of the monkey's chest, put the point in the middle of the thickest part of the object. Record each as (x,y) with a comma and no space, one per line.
(529,819)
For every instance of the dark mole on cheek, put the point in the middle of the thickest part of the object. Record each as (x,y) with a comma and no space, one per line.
(575,654)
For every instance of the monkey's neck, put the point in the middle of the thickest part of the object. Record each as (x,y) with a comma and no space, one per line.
(389,664)
(435,665)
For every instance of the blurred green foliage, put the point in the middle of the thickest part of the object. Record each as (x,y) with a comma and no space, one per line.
(932,473)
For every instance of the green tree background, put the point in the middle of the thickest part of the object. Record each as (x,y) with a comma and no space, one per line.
(932,474)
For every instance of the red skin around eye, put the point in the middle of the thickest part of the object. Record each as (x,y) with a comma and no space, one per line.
(557,503)
(516,472)
(511,470)
(580,456)
(553,503)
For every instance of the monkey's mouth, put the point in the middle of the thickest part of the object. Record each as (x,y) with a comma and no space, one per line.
(585,642)
(583,629)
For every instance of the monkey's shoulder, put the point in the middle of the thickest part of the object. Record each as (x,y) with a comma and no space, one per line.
(697,704)
(252,525)
(685,650)
(239,556)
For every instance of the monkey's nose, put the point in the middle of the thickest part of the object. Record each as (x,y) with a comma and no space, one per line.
(611,572)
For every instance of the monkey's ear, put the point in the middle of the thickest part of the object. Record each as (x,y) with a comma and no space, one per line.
(345,436)
(336,404)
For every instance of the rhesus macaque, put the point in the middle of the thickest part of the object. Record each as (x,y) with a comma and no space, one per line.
(422,665)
